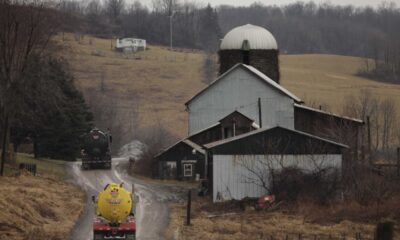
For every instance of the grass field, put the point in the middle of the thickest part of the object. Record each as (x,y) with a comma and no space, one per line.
(158,82)
(306,221)
(38,207)
(44,166)
(329,79)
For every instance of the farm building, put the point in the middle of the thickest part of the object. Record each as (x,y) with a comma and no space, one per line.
(189,154)
(245,89)
(245,117)
(240,166)
(130,45)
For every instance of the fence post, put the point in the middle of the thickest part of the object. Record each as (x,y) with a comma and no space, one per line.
(189,205)
(398,162)
(369,140)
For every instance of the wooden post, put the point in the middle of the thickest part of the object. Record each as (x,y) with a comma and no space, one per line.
(398,161)
(369,139)
(189,203)
(259,112)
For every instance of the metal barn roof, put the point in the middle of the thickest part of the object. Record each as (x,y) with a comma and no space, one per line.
(185,141)
(328,113)
(261,130)
(254,71)
(254,37)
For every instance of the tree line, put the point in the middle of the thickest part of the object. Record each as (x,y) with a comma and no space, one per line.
(326,28)
(192,25)
(38,100)
(302,27)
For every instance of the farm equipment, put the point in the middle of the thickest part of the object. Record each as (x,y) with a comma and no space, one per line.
(114,214)
(96,151)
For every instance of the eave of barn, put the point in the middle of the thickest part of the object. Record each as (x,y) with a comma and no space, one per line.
(333,115)
(265,79)
(275,140)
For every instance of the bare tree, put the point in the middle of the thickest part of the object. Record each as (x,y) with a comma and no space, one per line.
(166,6)
(25,31)
(389,115)
(290,175)
(114,9)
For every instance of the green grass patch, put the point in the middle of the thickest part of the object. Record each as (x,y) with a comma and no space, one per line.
(43,165)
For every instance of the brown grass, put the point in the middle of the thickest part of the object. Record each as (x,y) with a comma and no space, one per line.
(307,220)
(38,207)
(163,80)
(329,79)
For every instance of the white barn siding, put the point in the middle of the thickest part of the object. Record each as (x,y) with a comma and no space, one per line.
(233,180)
(240,90)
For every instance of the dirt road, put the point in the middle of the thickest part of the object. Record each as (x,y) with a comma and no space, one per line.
(151,200)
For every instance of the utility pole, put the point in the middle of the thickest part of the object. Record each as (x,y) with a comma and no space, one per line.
(398,162)
(170,30)
(259,112)
(369,140)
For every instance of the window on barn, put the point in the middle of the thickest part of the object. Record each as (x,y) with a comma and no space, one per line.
(228,132)
(187,170)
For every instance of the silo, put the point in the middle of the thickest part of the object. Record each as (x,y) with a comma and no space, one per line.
(251,45)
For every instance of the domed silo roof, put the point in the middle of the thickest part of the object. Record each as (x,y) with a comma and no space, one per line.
(249,37)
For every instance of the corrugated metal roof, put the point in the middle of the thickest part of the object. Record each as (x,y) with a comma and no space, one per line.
(228,140)
(257,38)
(273,83)
(328,113)
(205,129)
(195,146)
(256,72)
(187,142)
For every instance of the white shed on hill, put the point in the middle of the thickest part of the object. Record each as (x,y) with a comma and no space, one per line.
(130,44)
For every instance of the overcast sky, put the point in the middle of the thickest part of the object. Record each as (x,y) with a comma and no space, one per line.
(373,3)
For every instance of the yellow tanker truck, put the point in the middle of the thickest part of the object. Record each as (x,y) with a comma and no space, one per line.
(114,214)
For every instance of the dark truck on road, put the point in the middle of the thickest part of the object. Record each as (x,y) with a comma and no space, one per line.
(96,151)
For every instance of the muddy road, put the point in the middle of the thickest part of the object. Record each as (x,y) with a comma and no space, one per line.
(152,199)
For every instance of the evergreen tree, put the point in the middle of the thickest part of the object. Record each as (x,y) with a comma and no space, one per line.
(55,125)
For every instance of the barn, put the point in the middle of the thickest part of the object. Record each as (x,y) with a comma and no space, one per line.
(242,88)
(240,166)
(245,119)
(185,160)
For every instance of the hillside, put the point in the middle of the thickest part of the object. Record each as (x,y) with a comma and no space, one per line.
(156,83)
(329,79)
(38,207)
